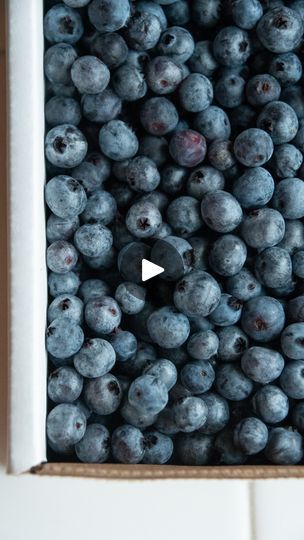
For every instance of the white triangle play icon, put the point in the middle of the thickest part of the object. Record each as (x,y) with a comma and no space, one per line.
(150,270)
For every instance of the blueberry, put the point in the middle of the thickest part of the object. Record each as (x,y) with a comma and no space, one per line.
(117,141)
(58,228)
(232,383)
(262,89)
(196,93)
(203,345)
(144,356)
(218,413)
(262,365)
(174,254)
(100,208)
(155,148)
(286,68)
(65,426)
(62,24)
(163,75)
(64,385)
(298,6)
(246,13)
(292,379)
(158,198)
(62,110)
(273,267)
(63,283)
(95,358)
(198,376)
(142,175)
(63,338)
(279,120)
(148,394)
(149,6)
(206,13)
(143,31)
(253,147)
(194,449)
(93,288)
(197,294)
(232,343)
(164,370)
(298,416)
(102,314)
(227,255)
(103,394)
(168,328)
(58,61)
(231,46)
(158,116)
(294,236)
(177,43)
(111,48)
(229,90)
(124,344)
(189,413)
(93,172)
(220,154)
(93,240)
(143,219)
(250,435)
(285,447)
(280,29)
(61,257)
(138,59)
(263,318)
(202,59)
(109,15)
(286,160)
(129,260)
(66,198)
(129,83)
(227,312)
(254,188)
(298,263)
(158,448)
(66,306)
(127,444)
(65,146)
(94,447)
(183,215)
(226,451)
(135,417)
(90,75)
(289,198)
(200,248)
(173,178)
(187,148)
(293,95)
(213,123)
(243,285)
(131,297)
(292,341)
(263,228)
(294,309)
(221,211)
(271,404)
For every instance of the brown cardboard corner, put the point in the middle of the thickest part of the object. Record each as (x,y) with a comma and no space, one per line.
(167,472)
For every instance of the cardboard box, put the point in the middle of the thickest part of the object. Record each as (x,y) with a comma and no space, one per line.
(28,275)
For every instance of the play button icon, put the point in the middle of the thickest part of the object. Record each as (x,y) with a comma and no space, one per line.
(150,270)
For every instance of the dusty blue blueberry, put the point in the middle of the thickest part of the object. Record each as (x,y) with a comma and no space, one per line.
(105,260)
(90,75)
(143,219)
(64,385)
(163,231)
(164,370)
(148,394)
(250,435)
(136,417)
(289,198)
(227,312)
(127,444)
(174,254)
(165,422)
(155,148)
(131,297)
(103,394)
(280,29)
(213,123)
(143,31)
(205,179)
(58,61)
(65,426)
(58,228)
(94,447)
(189,413)
(63,283)
(109,15)
(163,75)
(117,140)
(298,6)
(263,318)
(231,46)
(62,110)
(142,174)
(184,216)
(178,12)
(124,344)
(63,338)
(285,446)
(295,309)
(246,13)
(220,154)
(286,160)
(66,197)
(102,314)
(111,48)
(95,358)
(221,211)
(194,449)
(202,59)
(144,356)
(227,453)
(298,416)
(262,89)
(158,448)
(286,68)
(65,146)
(101,107)
(92,288)
(218,413)
(243,285)
(158,116)
(262,365)
(168,328)
(232,343)
(138,59)
(229,90)
(129,260)
(227,255)
(148,6)
(298,141)
(206,13)
(279,120)
(65,305)
(196,93)
(298,263)
(177,43)
(271,404)
(232,383)
(129,83)
(93,240)
(263,228)
(292,341)
(203,345)
(253,147)
(62,24)
(158,198)
(254,188)
(61,257)
(100,208)
(292,379)
(273,267)
(197,377)
(187,147)
(197,294)
(173,178)
(93,172)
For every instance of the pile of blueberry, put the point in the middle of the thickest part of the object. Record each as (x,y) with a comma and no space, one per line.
(175,133)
